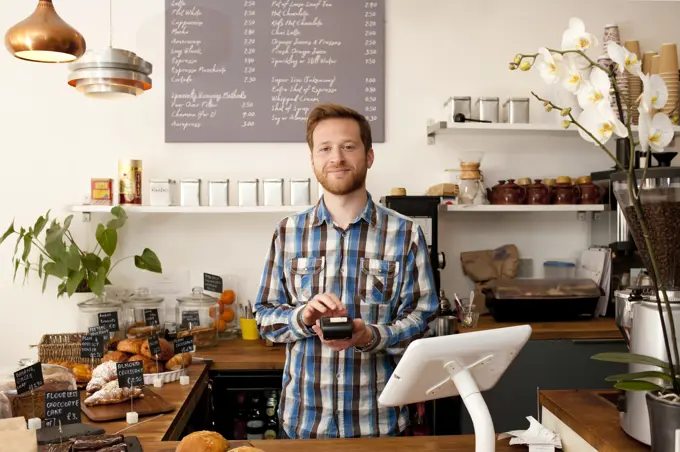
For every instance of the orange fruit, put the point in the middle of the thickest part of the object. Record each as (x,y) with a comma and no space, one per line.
(221,325)
(212,311)
(227,315)
(228,297)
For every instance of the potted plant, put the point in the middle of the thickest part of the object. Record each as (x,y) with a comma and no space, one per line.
(60,257)
(591,85)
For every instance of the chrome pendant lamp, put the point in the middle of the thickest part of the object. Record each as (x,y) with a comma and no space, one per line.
(44,37)
(110,72)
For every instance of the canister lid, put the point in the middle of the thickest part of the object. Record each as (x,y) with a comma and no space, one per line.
(190,181)
(99,304)
(198,297)
(488,99)
(142,296)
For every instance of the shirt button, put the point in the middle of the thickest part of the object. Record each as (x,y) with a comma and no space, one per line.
(337,376)
(342,270)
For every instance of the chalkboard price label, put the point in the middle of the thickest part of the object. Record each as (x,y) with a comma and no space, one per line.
(212,283)
(92,347)
(99,331)
(184,345)
(62,406)
(190,319)
(151,317)
(109,320)
(29,378)
(154,345)
(130,374)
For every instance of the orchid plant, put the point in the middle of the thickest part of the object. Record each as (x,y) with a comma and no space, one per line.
(593,84)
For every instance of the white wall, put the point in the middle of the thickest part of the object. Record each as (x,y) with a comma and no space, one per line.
(53,140)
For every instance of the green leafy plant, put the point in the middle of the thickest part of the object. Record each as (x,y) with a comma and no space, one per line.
(60,256)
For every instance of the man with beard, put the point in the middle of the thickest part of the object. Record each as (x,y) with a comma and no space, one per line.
(346,256)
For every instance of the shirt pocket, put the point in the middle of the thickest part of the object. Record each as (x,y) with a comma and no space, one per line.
(307,276)
(378,289)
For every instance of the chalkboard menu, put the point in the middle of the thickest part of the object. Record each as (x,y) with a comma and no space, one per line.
(252,70)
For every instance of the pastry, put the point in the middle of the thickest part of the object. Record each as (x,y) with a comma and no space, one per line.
(96,442)
(117,448)
(203,441)
(82,373)
(102,374)
(141,331)
(117,357)
(203,335)
(166,350)
(112,393)
(175,363)
(246,449)
(131,346)
(148,364)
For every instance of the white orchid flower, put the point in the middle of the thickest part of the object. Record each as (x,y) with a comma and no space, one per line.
(654,92)
(602,123)
(656,133)
(572,77)
(576,37)
(596,90)
(549,66)
(626,60)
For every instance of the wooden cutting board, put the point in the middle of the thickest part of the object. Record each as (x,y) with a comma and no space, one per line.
(150,404)
(232,445)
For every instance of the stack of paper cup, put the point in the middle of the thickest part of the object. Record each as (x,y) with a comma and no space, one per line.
(668,70)
(647,62)
(634,82)
(611,34)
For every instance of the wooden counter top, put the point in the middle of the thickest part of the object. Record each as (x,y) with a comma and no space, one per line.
(238,354)
(170,425)
(463,443)
(592,417)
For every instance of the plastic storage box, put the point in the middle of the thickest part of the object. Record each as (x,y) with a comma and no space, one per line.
(559,270)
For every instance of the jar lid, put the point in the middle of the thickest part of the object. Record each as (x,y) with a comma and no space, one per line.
(99,304)
(143,295)
(519,99)
(198,297)
(488,99)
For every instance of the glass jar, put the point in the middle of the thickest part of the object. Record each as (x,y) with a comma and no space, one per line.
(228,326)
(195,316)
(101,311)
(143,314)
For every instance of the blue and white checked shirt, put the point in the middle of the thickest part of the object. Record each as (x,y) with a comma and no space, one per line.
(380,269)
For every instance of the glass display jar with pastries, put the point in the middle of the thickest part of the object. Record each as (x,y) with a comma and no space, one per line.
(101,311)
(195,316)
(143,314)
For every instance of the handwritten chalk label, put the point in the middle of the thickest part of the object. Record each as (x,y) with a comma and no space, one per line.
(99,331)
(190,319)
(184,345)
(29,378)
(62,406)
(130,374)
(154,345)
(151,317)
(109,320)
(92,346)
(212,283)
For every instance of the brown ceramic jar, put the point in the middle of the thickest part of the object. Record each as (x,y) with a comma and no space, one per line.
(564,192)
(538,193)
(511,193)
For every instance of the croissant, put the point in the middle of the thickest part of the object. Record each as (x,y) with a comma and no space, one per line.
(112,393)
(102,374)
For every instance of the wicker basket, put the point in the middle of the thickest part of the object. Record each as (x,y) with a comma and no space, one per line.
(63,347)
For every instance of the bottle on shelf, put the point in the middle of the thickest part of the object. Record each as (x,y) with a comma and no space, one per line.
(240,417)
(271,429)
(255,423)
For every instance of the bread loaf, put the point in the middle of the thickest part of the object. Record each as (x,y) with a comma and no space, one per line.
(203,441)
(166,350)
(131,346)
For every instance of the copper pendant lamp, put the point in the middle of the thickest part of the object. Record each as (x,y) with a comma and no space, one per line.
(45,37)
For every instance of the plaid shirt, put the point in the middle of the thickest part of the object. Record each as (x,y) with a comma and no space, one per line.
(380,269)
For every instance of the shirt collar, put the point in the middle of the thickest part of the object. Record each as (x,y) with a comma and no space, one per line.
(370,215)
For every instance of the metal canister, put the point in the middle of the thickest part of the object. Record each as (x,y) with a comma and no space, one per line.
(446,324)
(130,181)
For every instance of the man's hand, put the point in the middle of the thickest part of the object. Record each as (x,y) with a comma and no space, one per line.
(322,305)
(361,335)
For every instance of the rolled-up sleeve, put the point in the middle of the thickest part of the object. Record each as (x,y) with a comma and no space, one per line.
(277,320)
(419,304)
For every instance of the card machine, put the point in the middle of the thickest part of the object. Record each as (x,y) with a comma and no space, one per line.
(336,328)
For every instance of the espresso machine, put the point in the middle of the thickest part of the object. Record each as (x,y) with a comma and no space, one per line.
(637,313)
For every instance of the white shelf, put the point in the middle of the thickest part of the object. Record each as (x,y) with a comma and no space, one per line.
(449,128)
(525,208)
(131,209)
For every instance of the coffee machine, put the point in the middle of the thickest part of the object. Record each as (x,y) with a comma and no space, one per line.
(636,309)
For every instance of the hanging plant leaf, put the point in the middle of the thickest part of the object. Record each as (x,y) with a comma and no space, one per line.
(56,269)
(638,385)
(119,221)
(28,241)
(107,239)
(638,375)
(61,290)
(97,283)
(41,260)
(91,262)
(148,261)
(40,224)
(73,281)
(55,233)
(16,268)
(630,358)
(10,230)
(44,283)
(106,264)
(22,233)
(72,259)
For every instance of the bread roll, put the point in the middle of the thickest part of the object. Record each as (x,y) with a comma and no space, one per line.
(166,353)
(246,449)
(203,441)
(131,346)
(175,363)
(148,364)
(116,357)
